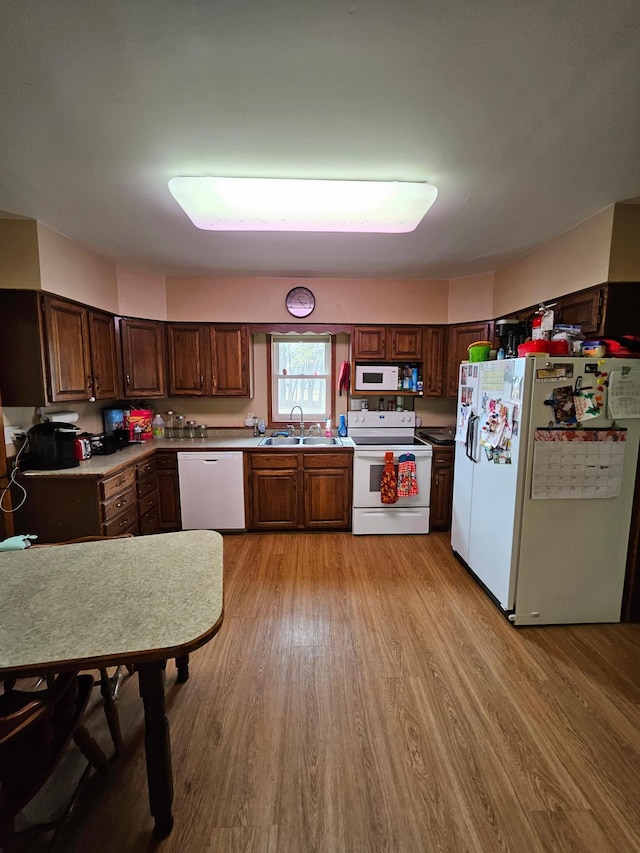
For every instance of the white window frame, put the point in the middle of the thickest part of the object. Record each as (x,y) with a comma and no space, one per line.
(278,417)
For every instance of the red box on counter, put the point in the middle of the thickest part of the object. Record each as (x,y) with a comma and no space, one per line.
(139,424)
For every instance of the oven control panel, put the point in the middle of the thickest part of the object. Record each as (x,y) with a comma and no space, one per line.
(381,420)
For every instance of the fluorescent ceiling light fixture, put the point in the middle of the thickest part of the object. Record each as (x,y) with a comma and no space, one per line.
(281,204)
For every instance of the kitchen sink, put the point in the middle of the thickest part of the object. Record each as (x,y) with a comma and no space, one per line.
(295,440)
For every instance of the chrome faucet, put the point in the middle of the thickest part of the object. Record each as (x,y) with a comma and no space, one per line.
(301,418)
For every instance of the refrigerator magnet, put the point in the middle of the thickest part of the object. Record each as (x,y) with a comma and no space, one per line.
(564,409)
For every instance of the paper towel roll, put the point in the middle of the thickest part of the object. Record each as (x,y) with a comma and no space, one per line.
(60,417)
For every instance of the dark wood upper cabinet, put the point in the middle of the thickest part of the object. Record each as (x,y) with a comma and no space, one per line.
(433,368)
(208,360)
(82,352)
(53,350)
(104,362)
(369,342)
(584,310)
(458,340)
(230,375)
(67,333)
(188,356)
(143,358)
(389,343)
(405,342)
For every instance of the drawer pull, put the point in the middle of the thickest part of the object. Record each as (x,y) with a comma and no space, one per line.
(121,503)
(123,522)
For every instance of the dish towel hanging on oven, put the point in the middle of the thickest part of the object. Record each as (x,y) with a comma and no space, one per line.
(389,481)
(407,480)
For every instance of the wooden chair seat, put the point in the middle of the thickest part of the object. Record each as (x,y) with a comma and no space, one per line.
(35,730)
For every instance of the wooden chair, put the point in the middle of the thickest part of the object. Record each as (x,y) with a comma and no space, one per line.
(35,730)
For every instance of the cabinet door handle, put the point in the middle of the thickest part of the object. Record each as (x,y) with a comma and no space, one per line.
(202,381)
(128,378)
(213,380)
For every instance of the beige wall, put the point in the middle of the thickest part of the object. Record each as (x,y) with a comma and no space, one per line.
(141,294)
(261,300)
(624,264)
(19,262)
(471,298)
(70,270)
(575,260)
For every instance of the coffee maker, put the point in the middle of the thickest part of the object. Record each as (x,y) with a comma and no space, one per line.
(50,446)
(510,333)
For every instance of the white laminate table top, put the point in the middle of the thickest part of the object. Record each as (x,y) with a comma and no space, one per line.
(110,600)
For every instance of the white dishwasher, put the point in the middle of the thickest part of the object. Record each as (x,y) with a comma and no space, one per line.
(211,490)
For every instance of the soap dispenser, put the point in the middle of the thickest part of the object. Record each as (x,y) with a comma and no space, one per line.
(342,428)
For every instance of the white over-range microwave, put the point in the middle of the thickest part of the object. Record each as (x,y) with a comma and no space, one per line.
(376,377)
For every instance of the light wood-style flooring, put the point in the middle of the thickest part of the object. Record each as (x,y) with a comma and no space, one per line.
(363,695)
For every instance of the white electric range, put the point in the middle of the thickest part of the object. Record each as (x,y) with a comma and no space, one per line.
(373,434)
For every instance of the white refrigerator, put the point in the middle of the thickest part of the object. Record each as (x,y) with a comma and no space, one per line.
(545,467)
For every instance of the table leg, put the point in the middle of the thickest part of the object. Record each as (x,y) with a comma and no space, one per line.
(109,689)
(157,745)
(182,665)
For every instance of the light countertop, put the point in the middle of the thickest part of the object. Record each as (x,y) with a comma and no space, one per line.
(98,466)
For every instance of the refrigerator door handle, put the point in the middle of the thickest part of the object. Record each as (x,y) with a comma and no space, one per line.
(467,438)
(471,437)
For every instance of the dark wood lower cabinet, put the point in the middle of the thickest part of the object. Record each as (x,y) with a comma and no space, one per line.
(168,491)
(292,491)
(273,491)
(66,506)
(441,488)
(327,490)
(148,501)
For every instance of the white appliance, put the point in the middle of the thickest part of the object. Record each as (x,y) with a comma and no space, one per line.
(374,433)
(544,525)
(211,490)
(376,377)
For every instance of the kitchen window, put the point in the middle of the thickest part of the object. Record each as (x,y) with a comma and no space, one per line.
(301,373)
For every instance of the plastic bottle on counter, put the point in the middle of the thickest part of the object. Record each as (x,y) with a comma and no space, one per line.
(327,428)
(157,426)
(261,427)
(342,428)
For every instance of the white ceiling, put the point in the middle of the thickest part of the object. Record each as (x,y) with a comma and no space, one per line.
(524,113)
